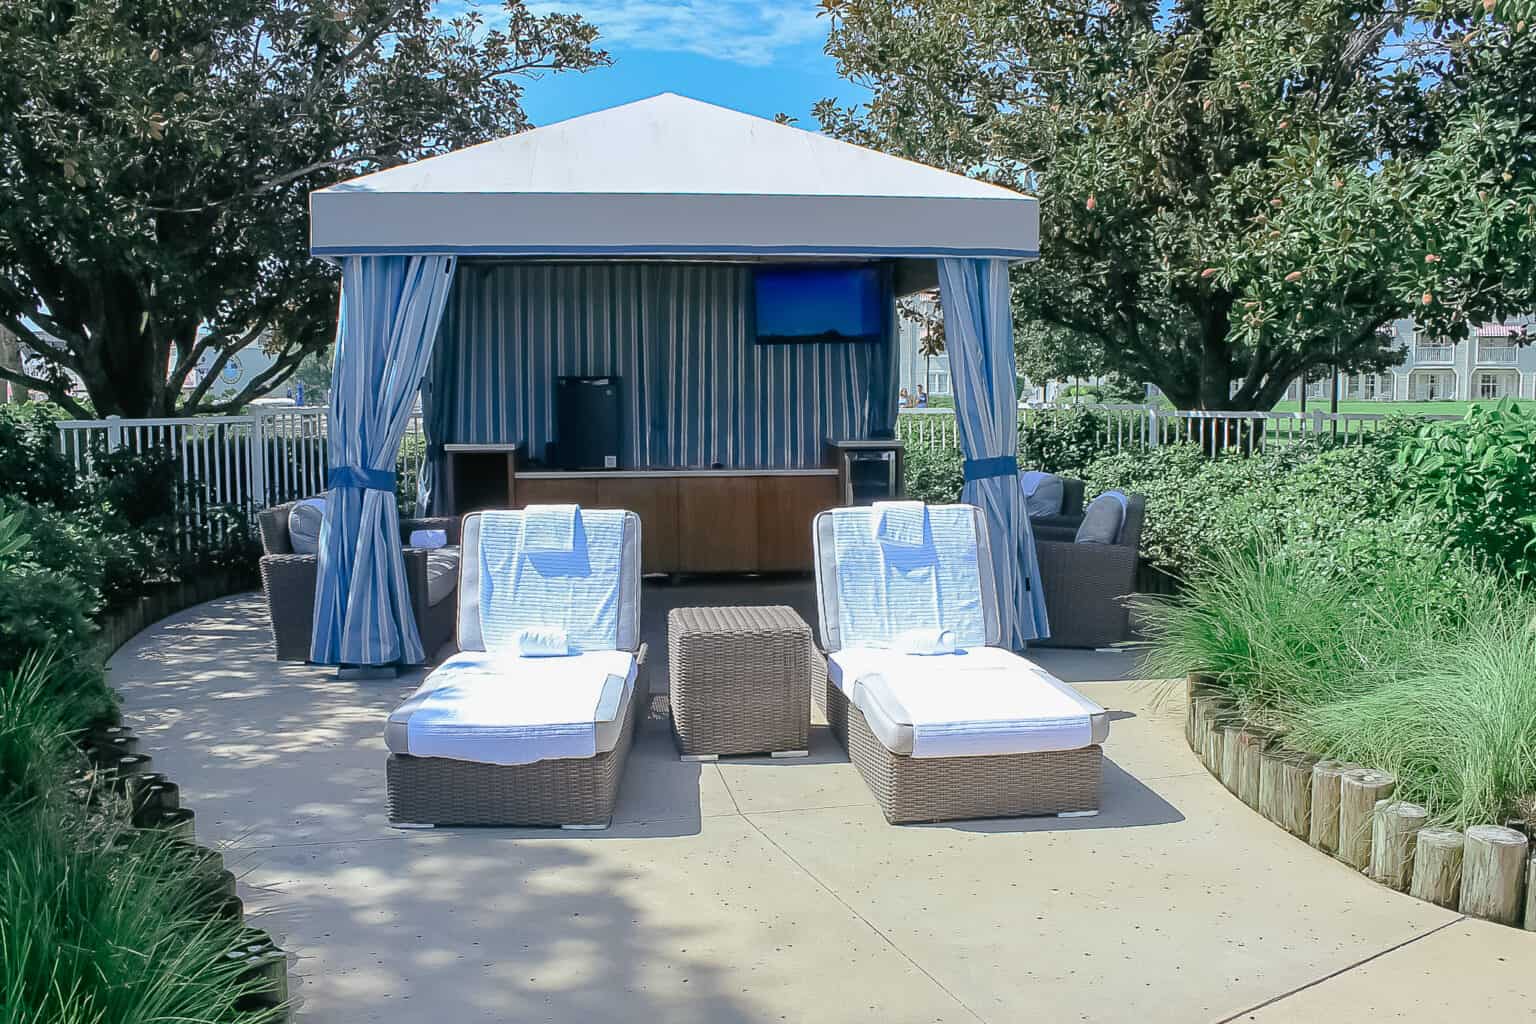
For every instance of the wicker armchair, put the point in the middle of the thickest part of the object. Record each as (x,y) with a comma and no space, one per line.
(1086,584)
(288,581)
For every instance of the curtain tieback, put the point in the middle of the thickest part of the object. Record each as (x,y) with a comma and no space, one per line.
(360,479)
(985,469)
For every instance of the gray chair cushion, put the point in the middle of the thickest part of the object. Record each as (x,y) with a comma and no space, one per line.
(1047,499)
(1102,521)
(442,574)
(304,522)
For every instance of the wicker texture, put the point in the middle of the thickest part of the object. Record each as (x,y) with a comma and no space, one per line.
(288,581)
(915,789)
(560,791)
(1086,584)
(740,679)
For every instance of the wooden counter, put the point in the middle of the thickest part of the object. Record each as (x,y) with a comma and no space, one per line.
(701,520)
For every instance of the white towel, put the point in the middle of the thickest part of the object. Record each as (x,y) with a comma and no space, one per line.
(499,709)
(541,642)
(925,642)
(577,591)
(899,522)
(886,589)
(965,706)
(551,528)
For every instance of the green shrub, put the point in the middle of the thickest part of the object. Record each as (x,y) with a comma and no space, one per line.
(1422,666)
(34,737)
(100,923)
(1316,491)
(32,467)
(933,475)
(1476,479)
(1062,441)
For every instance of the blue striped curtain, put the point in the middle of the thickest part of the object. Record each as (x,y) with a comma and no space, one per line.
(978,335)
(391,307)
(696,388)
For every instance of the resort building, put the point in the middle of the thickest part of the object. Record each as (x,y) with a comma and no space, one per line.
(1491,363)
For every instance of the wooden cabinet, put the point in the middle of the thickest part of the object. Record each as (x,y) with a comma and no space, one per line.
(785,507)
(654,500)
(700,522)
(555,491)
(717,524)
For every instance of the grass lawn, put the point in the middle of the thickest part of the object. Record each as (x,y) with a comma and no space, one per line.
(1406,408)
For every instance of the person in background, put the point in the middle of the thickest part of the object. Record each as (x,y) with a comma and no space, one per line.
(904,400)
(922,397)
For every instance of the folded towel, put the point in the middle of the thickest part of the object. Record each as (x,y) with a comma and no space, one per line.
(429,538)
(541,642)
(899,522)
(551,528)
(924,641)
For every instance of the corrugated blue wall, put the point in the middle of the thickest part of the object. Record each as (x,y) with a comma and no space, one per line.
(696,388)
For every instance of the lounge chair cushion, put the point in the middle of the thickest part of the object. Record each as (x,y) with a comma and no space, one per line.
(1034,712)
(442,574)
(304,522)
(1043,493)
(500,709)
(1103,519)
(884,589)
(532,595)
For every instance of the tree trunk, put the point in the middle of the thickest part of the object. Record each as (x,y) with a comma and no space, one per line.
(10,358)
(1324,831)
(1394,833)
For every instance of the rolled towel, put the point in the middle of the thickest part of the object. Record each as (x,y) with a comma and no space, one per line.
(429,538)
(541,642)
(550,528)
(924,641)
(899,522)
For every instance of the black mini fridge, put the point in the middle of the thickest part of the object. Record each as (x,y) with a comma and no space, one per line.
(587,423)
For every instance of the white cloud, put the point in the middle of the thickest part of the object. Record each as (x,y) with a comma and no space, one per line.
(739,31)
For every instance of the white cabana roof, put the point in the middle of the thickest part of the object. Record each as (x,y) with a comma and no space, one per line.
(671,176)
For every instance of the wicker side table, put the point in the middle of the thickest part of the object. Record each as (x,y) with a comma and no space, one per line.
(740,681)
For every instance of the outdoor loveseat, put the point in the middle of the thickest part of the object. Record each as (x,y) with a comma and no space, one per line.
(1087,583)
(288,582)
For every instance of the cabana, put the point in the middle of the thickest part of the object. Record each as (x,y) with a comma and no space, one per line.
(625,244)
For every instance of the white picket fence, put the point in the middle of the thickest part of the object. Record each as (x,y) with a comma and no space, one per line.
(1148,426)
(278,455)
(240,462)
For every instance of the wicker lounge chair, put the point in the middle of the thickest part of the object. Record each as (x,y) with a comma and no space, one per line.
(482,773)
(1000,775)
(288,582)
(1087,585)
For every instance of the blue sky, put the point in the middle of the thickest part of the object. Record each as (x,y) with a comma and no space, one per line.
(762,57)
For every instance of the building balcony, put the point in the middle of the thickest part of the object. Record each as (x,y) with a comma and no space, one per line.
(1496,354)
(1434,355)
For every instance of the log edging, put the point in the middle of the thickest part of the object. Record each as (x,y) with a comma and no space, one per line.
(1348,812)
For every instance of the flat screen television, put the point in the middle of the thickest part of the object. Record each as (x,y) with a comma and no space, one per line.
(797,305)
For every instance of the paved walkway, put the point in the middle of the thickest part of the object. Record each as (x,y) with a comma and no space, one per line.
(757,890)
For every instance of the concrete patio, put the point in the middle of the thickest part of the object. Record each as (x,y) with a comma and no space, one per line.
(756,890)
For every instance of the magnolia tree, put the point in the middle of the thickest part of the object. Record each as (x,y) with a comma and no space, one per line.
(1231,194)
(156,158)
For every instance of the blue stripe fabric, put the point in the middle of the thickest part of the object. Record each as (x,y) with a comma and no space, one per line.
(391,307)
(695,388)
(978,331)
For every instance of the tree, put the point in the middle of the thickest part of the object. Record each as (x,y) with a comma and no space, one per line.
(1234,194)
(156,159)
